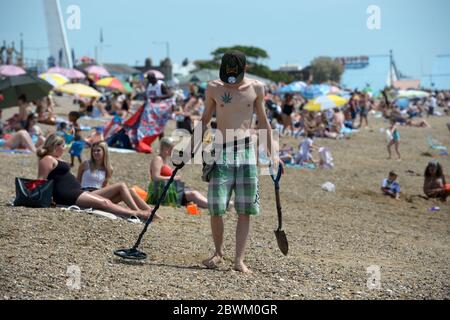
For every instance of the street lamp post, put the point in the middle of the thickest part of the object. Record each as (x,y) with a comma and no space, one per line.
(167,47)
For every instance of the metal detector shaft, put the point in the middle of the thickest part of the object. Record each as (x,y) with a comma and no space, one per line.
(163,195)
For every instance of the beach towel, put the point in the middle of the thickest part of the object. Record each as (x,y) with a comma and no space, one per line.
(309,166)
(435,145)
(15,151)
(99,213)
(118,150)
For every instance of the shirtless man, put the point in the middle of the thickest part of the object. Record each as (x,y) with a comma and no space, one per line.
(338,120)
(234,99)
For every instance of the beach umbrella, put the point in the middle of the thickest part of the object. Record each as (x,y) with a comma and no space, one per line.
(54,79)
(114,84)
(97,70)
(294,87)
(9,70)
(402,103)
(334,90)
(325,103)
(159,75)
(11,88)
(86,59)
(315,90)
(69,73)
(410,94)
(79,89)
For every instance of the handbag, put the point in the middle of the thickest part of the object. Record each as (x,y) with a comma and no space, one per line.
(33,193)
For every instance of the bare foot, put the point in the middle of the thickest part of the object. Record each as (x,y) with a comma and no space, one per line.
(145,215)
(213,262)
(241,267)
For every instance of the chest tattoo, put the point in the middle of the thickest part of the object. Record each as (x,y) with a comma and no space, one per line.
(226,98)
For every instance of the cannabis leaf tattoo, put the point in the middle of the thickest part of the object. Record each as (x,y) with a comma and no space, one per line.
(226,98)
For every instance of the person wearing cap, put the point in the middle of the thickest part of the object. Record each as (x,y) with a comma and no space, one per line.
(434,185)
(390,187)
(156,89)
(234,99)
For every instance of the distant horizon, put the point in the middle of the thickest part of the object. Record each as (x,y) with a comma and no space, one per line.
(292,32)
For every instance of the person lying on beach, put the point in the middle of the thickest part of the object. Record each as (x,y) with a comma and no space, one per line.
(67,189)
(418,123)
(390,187)
(434,185)
(160,173)
(18,140)
(94,176)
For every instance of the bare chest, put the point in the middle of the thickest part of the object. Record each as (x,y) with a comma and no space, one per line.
(235,100)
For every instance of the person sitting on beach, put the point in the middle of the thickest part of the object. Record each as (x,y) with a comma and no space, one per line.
(390,187)
(46,111)
(160,173)
(95,174)
(95,136)
(434,185)
(286,153)
(67,189)
(34,130)
(24,109)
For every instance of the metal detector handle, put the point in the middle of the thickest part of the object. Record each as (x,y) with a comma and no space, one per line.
(181,164)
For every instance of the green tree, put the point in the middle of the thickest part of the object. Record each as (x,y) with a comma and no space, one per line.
(326,69)
(253,54)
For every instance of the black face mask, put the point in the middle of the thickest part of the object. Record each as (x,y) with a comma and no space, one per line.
(232,69)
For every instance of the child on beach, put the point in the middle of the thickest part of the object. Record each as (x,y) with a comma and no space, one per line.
(395,139)
(304,155)
(390,187)
(76,149)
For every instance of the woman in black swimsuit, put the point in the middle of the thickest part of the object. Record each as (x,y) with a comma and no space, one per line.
(288,108)
(67,190)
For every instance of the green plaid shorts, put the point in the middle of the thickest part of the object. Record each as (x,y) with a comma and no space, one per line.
(237,171)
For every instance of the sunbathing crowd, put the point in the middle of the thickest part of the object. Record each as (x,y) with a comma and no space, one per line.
(91,187)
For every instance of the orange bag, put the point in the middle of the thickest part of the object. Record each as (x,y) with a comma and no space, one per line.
(192,209)
(140,192)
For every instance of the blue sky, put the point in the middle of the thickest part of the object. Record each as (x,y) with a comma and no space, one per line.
(292,31)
